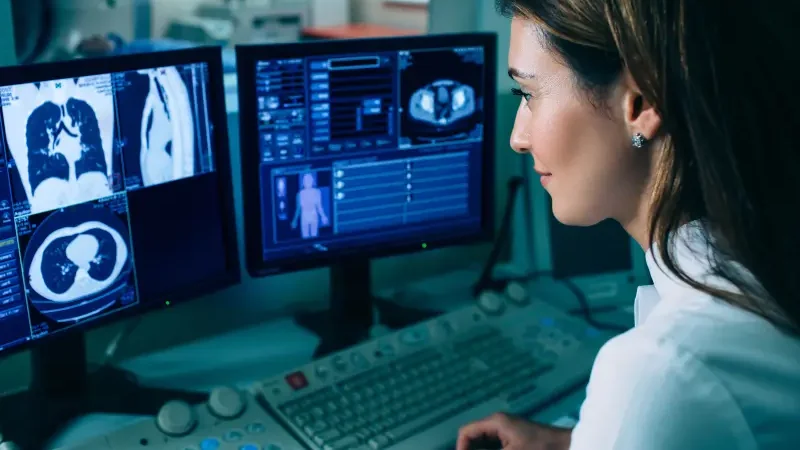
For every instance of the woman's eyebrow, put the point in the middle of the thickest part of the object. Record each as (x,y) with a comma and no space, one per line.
(516,73)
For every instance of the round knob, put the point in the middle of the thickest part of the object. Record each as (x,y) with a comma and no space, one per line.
(226,403)
(176,418)
(490,302)
(8,445)
(517,293)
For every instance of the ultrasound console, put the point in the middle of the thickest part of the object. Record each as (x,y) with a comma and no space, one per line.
(114,178)
(409,390)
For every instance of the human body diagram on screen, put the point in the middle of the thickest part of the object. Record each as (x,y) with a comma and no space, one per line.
(309,210)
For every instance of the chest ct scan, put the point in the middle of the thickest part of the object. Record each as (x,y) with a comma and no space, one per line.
(64,155)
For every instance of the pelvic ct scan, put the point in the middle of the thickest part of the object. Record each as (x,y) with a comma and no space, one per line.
(309,208)
(442,102)
(167,132)
(78,263)
(64,156)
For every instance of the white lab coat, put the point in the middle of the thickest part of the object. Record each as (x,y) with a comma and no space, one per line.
(694,372)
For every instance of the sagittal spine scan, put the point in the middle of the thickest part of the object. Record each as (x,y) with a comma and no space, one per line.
(442,102)
(64,155)
(167,133)
(74,269)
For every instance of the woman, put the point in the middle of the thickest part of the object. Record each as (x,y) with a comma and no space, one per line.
(677,119)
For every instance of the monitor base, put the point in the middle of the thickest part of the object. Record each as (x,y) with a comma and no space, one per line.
(334,335)
(33,417)
(63,388)
(350,317)
(396,316)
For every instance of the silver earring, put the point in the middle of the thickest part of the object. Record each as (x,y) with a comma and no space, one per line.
(638,140)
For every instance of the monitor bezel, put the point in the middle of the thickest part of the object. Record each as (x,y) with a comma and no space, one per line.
(246,58)
(210,55)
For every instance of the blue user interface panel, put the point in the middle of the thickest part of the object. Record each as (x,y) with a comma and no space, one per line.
(364,149)
(106,185)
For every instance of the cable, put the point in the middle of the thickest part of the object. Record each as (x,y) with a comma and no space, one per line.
(584,309)
(117,340)
(486,277)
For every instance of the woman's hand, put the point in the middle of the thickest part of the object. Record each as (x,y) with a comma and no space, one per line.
(512,433)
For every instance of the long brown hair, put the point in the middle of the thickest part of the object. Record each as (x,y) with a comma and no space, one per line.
(721,75)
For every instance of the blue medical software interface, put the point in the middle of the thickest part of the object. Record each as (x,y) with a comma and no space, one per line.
(362,149)
(105,182)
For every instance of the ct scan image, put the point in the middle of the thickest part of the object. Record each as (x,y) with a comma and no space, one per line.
(302,204)
(77,263)
(59,137)
(442,97)
(163,126)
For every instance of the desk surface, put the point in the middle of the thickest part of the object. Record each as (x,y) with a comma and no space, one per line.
(357,30)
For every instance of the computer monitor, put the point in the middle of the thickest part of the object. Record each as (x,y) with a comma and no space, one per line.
(364,148)
(115,198)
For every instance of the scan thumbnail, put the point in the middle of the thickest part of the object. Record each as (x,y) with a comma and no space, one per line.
(442,97)
(60,137)
(78,262)
(164,125)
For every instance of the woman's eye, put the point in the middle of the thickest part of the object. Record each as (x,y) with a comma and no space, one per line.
(521,93)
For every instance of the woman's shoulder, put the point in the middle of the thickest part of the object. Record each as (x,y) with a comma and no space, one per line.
(703,356)
(649,393)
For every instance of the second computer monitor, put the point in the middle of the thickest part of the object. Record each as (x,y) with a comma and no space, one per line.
(365,148)
(115,190)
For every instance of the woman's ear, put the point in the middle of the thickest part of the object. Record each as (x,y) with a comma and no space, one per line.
(639,114)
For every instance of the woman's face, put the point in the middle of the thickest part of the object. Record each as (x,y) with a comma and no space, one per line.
(583,152)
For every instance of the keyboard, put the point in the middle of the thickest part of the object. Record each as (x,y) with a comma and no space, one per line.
(414,388)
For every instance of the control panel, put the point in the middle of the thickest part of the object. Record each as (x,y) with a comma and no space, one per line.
(230,420)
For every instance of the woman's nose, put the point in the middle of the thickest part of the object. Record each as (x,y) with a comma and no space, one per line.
(518,144)
(520,137)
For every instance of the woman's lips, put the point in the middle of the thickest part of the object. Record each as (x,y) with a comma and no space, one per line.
(544,177)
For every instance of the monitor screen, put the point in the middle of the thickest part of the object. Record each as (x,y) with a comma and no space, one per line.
(365,147)
(114,193)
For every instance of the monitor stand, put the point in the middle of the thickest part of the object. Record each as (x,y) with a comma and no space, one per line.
(349,318)
(63,389)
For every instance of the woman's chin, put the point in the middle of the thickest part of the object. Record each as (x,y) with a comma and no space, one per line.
(572,216)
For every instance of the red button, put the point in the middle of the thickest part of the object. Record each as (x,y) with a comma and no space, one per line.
(297,380)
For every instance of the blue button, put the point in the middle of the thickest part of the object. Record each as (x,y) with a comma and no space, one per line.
(209,444)
(592,332)
(233,436)
(249,447)
(548,321)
